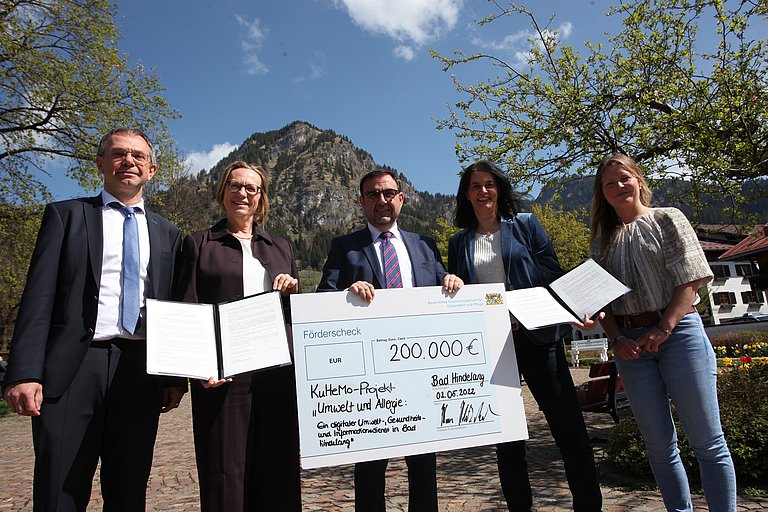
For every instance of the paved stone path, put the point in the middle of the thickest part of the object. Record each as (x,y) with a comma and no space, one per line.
(467,479)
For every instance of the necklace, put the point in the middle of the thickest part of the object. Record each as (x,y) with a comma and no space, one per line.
(234,232)
(488,233)
(489,228)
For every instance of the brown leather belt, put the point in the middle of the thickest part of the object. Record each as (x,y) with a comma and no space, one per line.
(642,320)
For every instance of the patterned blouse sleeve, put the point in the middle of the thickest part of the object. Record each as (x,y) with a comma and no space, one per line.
(683,256)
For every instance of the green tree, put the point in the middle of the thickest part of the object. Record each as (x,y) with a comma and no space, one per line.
(18,230)
(64,83)
(568,233)
(442,233)
(656,91)
(188,203)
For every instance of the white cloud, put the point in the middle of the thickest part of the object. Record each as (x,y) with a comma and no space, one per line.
(565,29)
(506,43)
(252,42)
(404,52)
(316,68)
(200,160)
(414,21)
(518,45)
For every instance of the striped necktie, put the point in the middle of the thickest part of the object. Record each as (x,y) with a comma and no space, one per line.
(392,276)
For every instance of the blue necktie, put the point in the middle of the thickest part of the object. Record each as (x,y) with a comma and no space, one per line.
(129,281)
(392,277)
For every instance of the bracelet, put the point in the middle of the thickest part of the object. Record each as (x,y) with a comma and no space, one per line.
(668,332)
(614,340)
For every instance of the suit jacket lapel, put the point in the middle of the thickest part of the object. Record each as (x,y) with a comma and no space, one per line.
(410,240)
(365,240)
(467,245)
(155,236)
(94,234)
(506,250)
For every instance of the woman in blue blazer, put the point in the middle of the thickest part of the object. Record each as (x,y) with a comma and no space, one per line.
(499,244)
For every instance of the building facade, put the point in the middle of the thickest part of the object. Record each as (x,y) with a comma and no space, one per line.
(737,288)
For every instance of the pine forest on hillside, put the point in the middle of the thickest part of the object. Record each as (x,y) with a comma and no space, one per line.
(313,190)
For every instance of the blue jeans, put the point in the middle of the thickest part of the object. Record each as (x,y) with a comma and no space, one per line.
(684,369)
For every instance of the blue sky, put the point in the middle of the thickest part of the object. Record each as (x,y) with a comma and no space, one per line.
(359,67)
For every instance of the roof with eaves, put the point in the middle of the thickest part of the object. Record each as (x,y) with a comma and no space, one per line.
(754,244)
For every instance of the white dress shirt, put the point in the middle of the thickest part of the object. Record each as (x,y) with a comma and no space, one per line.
(255,277)
(406,270)
(108,323)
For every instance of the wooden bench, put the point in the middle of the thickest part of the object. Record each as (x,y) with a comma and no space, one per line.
(599,345)
(604,391)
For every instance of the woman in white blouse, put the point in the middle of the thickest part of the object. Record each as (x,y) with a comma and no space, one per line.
(658,338)
(246,428)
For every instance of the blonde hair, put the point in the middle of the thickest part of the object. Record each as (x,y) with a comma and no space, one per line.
(604,220)
(263,209)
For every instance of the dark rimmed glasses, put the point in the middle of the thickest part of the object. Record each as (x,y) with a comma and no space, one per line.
(250,188)
(374,195)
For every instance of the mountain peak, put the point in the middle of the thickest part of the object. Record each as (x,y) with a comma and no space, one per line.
(314,180)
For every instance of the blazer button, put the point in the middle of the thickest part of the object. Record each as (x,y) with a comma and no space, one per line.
(90,331)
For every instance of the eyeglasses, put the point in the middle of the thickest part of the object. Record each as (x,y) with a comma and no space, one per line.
(374,195)
(250,189)
(121,154)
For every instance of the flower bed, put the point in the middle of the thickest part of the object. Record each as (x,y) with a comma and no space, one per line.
(740,347)
(741,388)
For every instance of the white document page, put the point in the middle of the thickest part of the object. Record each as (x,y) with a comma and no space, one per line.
(181,339)
(588,288)
(253,334)
(536,308)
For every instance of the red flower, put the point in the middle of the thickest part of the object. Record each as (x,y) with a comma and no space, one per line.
(745,359)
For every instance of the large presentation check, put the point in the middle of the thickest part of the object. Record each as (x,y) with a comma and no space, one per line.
(415,371)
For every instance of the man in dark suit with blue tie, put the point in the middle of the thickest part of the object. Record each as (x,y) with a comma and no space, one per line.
(384,256)
(78,356)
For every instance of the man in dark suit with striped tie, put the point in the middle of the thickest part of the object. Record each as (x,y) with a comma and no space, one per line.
(78,355)
(384,256)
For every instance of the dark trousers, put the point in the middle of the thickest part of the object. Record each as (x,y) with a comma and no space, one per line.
(545,370)
(110,411)
(422,484)
(247,443)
